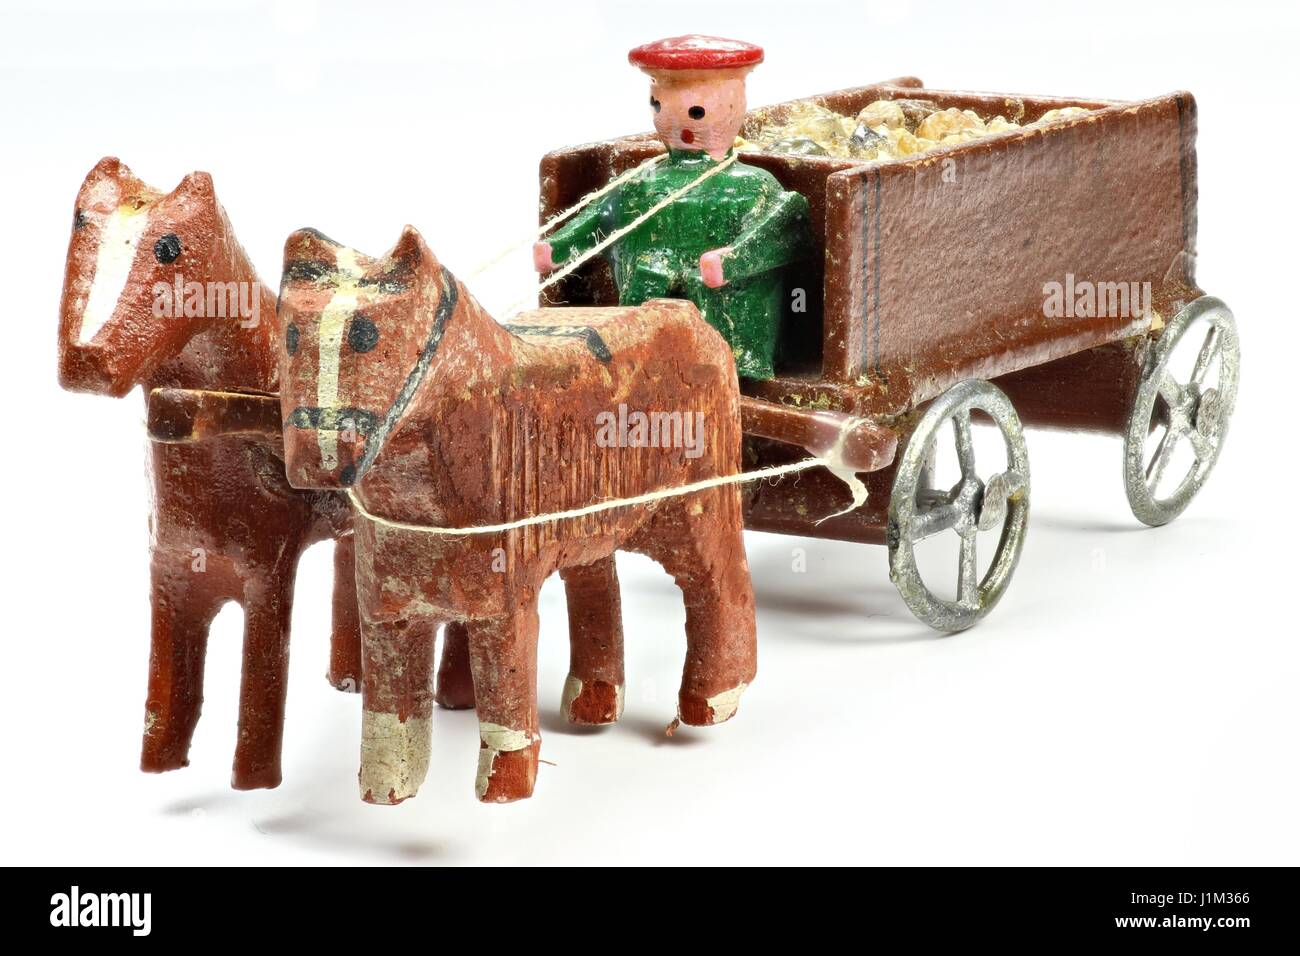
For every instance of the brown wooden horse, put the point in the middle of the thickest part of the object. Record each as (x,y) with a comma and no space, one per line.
(466,424)
(158,292)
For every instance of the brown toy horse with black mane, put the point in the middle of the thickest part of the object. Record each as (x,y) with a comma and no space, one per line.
(466,424)
(139,308)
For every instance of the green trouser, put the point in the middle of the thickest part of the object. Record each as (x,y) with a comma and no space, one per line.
(747,313)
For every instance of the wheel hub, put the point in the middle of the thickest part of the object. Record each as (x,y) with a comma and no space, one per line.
(993,504)
(1208,413)
(969,503)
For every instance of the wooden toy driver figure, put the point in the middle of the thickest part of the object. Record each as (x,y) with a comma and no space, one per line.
(726,244)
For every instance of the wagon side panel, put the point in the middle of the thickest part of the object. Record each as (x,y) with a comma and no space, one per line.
(958,250)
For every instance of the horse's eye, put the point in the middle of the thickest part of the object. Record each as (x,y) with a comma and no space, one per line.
(362,334)
(291,339)
(655,104)
(167,248)
(696,112)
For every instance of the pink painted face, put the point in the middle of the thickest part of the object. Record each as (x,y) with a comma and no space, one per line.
(698,109)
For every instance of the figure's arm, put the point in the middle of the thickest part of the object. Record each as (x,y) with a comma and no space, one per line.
(575,236)
(775,234)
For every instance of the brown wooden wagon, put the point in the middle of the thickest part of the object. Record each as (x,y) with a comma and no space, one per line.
(929,302)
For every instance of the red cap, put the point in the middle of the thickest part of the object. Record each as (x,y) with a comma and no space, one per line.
(695,52)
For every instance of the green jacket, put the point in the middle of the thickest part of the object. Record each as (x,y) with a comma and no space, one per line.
(742,207)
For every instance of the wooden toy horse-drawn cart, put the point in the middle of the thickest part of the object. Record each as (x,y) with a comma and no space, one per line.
(1042,276)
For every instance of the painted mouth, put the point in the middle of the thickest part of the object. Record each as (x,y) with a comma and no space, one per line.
(687,136)
(333,419)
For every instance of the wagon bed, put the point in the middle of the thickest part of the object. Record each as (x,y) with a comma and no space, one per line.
(932,270)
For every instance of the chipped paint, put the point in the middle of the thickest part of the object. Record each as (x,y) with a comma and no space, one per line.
(500,738)
(572,691)
(117,247)
(496,740)
(394,756)
(724,705)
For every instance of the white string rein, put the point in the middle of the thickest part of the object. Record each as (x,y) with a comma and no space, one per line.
(573,210)
(717,481)
(618,234)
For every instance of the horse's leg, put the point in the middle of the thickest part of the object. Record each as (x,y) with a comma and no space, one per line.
(593,691)
(345,633)
(699,542)
(268,601)
(503,654)
(185,600)
(397,708)
(454,688)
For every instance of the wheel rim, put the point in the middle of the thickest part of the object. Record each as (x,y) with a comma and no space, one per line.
(1194,414)
(918,511)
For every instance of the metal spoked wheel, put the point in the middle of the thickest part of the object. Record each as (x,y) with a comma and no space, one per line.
(918,511)
(1193,415)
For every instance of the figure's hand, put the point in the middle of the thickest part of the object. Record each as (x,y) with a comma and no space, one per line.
(711,268)
(542,260)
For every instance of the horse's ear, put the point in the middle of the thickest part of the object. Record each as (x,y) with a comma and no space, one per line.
(310,245)
(108,171)
(197,184)
(110,167)
(410,249)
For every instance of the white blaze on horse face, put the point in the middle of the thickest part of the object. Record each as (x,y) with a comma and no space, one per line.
(333,320)
(118,243)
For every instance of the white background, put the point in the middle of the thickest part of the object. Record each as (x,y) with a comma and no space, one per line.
(1133,699)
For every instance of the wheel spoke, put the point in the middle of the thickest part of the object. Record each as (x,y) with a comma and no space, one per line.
(1171,391)
(1160,460)
(968,572)
(965,446)
(1210,348)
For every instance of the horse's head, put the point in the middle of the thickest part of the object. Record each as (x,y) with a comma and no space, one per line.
(129,240)
(358,336)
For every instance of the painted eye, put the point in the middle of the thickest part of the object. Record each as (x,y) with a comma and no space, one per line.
(291,339)
(655,104)
(696,112)
(362,334)
(167,248)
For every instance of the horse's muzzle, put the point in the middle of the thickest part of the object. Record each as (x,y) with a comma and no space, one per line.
(322,446)
(85,368)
